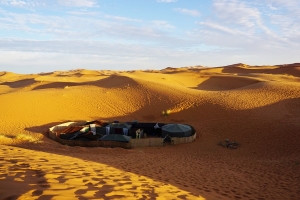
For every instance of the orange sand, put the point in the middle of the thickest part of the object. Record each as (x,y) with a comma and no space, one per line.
(258,106)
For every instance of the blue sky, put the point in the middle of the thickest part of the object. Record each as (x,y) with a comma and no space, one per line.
(42,36)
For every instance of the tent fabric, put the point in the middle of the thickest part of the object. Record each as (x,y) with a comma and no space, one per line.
(119,125)
(107,130)
(148,125)
(115,127)
(101,130)
(176,130)
(93,128)
(125,131)
(81,132)
(68,132)
(116,137)
(149,128)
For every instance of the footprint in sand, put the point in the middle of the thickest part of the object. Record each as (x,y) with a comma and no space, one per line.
(37,193)
(44,160)
(13,161)
(39,173)
(80,192)
(23,165)
(43,183)
(182,197)
(61,179)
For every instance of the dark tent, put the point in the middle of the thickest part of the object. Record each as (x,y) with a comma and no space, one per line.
(100,130)
(116,137)
(152,129)
(176,130)
(119,125)
(118,128)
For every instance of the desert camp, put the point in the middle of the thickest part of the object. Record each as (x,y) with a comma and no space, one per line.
(117,134)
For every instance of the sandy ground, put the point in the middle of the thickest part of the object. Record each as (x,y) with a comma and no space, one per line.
(257,106)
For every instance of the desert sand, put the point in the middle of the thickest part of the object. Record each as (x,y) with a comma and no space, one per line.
(257,106)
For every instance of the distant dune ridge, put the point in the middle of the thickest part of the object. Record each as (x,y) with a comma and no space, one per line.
(257,106)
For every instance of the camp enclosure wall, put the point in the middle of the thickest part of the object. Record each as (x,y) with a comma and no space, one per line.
(147,142)
(159,142)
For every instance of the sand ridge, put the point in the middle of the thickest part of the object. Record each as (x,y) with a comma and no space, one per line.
(257,106)
(289,69)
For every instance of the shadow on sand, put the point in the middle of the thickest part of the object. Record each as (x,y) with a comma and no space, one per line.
(29,178)
(221,83)
(110,82)
(20,83)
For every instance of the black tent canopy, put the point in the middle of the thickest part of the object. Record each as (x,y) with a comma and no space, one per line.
(116,137)
(176,130)
(117,128)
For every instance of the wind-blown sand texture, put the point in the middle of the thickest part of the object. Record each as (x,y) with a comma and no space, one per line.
(257,106)
(38,175)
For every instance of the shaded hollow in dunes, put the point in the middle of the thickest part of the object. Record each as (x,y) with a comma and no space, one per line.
(112,81)
(219,83)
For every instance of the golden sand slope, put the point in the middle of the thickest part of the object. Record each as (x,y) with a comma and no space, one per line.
(258,106)
(27,174)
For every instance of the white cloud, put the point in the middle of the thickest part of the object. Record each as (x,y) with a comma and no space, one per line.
(194,13)
(222,28)
(91,27)
(78,3)
(253,20)
(236,12)
(166,1)
(18,3)
(162,24)
(291,4)
(22,3)
(36,3)
(271,7)
(251,29)
(120,18)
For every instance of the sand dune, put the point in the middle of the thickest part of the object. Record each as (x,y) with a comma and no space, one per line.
(290,69)
(257,106)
